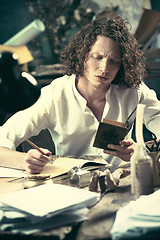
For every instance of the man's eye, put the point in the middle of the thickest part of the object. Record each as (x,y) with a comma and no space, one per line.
(97,57)
(114,61)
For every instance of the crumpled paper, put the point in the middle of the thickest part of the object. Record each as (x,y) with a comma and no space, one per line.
(102,181)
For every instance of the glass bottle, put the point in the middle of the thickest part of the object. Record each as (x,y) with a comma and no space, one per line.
(141,172)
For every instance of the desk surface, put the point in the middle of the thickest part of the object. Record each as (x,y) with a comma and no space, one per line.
(101,216)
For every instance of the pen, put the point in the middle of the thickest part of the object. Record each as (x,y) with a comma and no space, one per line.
(12,180)
(36,147)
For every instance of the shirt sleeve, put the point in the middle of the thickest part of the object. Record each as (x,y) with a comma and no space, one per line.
(148,97)
(29,122)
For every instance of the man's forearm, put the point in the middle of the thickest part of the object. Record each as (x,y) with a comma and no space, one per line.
(11,158)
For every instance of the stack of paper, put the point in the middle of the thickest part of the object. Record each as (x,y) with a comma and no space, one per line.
(138,219)
(44,207)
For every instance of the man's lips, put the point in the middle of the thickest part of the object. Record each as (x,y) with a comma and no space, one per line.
(103,78)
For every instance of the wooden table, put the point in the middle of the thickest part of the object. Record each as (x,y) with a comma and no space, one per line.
(101,216)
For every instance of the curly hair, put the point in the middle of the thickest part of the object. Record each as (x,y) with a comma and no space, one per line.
(132,70)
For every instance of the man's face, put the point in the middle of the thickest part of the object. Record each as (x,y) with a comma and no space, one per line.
(102,63)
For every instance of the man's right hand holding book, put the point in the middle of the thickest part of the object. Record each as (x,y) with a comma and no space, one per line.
(124,151)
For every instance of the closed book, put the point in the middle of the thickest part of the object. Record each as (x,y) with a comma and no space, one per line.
(112,132)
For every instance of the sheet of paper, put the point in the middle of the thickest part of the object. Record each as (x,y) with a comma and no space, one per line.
(10,172)
(50,199)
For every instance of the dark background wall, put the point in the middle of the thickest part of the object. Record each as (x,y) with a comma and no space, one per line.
(14,16)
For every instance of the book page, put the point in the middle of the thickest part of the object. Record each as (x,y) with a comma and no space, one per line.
(113,122)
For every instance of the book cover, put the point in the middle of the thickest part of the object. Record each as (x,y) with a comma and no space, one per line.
(109,134)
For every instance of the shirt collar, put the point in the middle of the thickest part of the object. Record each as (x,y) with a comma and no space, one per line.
(81,99)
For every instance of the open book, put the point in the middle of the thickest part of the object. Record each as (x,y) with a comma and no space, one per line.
(112,132)
(63,165)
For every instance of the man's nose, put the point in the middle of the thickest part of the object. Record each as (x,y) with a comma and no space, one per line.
(104,65)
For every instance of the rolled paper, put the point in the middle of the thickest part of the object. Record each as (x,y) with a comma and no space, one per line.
(26,34)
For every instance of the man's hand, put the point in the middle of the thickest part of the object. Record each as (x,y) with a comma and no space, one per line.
(36,161)
(124,151)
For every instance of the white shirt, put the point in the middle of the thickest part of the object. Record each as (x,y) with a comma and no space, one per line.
(72,125)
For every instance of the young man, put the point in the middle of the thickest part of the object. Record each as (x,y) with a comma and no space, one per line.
(105,72)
